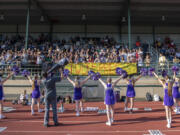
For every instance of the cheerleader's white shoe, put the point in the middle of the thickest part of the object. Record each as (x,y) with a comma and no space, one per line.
(125,109)
(108,123)
(169,125)
(2,116)
(175,110)
(77,114)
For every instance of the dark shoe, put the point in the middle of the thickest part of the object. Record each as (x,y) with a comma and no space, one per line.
(46,125)
(130,111)
(56,124)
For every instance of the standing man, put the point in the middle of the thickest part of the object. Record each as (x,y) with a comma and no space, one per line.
(49,84)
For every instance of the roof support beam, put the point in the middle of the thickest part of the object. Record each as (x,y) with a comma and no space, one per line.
(40,8)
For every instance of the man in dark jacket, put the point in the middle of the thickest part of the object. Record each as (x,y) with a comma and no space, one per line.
(50,97)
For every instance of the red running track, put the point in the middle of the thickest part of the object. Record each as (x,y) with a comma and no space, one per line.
(20,121)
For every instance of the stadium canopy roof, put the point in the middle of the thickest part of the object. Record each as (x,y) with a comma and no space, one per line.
(148,12)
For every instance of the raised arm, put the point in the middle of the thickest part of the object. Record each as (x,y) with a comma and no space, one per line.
(30,80)
(155,75)
(137,78)
(7,77)
(174,76)
(103,83)
(72,82)
(116,81)
(84,81)
(161,82)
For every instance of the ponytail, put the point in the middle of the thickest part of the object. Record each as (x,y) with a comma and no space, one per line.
(169,89)
(33,85)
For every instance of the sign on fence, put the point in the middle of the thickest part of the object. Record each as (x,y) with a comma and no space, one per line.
(102,68)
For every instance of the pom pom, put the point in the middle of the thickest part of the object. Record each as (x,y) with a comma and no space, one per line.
(164,73)
(91,73)
(66,72)
(98,75)
(175,69)
(144,71)
(94,76)
(25,73)
(119,71)
(124,74)
(150,71)
(15,69)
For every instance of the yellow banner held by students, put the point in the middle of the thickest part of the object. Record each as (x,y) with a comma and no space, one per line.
(102,68)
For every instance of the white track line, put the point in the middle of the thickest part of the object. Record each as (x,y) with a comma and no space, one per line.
(62,121)
(121,113)
(85,132)
(41,121)
(2,129)
(77,132)
(66,121)
(36,121)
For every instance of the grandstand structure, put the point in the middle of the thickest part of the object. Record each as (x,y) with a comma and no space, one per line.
(126,21)
(65,18)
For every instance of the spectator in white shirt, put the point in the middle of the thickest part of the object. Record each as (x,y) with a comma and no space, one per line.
(24,98)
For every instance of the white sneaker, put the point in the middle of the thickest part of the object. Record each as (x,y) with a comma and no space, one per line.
(32,112)
(125,109)
(108,123)
(175,110)
(168,125)
(77,114)
(2,116)
(40,110)
(112,120)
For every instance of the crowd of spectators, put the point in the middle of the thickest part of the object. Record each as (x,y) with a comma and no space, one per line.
(42,52)
(168,48)
(77,50)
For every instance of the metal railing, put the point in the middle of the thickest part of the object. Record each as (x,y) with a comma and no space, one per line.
(33,69)
(38,70)
(167,66)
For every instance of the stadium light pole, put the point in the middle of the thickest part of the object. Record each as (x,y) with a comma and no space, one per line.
(129,25)
(27,24)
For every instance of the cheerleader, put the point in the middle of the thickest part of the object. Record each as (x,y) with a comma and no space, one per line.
(109,99)
(168,98)
(2,94)
(175,93)
(78,92)
(35,93)
(130,93)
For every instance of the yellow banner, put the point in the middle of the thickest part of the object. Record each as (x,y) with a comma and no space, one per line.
(102,68)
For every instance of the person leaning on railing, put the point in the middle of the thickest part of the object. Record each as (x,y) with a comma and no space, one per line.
(147,60)
(176,61)
(162,60)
